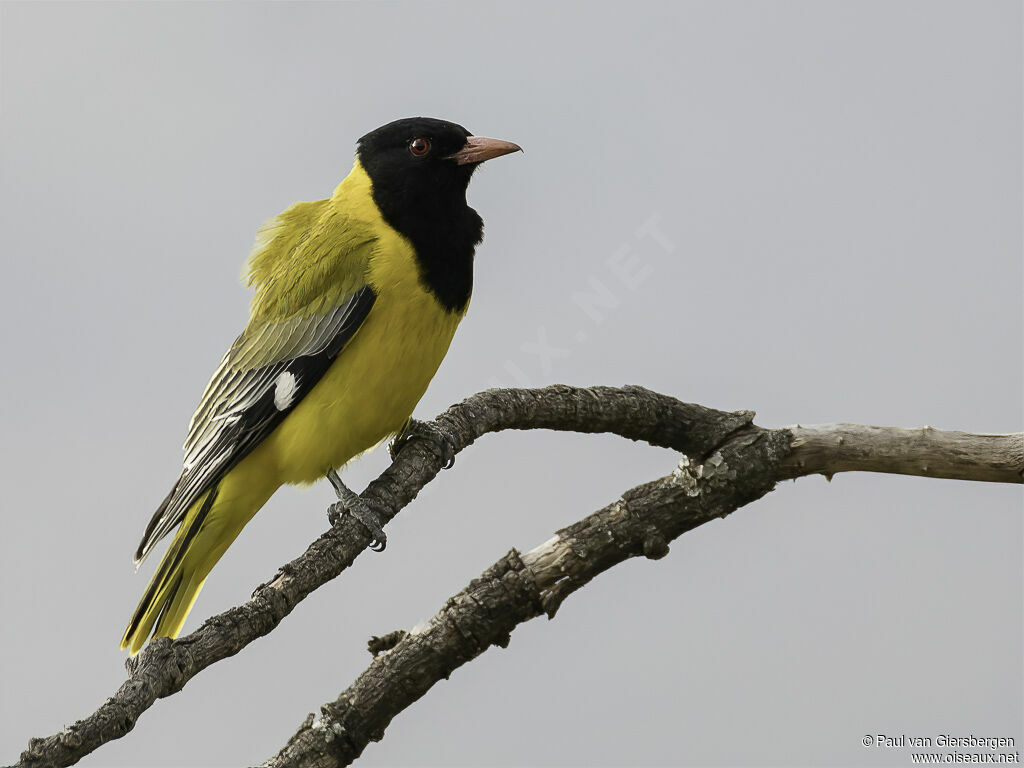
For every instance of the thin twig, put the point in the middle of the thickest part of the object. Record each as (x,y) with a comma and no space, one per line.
(830,448)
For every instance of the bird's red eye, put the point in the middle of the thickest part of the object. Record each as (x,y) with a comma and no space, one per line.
(419,147)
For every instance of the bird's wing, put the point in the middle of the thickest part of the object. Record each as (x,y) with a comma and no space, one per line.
(271,366)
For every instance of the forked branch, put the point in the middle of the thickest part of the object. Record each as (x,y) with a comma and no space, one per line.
(519,587)
(728,462)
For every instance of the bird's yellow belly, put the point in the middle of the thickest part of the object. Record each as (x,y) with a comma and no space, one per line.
(370,390)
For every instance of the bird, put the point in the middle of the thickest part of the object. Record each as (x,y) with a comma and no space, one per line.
(356,299)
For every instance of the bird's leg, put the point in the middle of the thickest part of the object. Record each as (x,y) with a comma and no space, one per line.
(349,501)
(430,431)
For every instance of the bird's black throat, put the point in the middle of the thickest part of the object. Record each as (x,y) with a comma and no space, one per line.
(424,199)
(443,229)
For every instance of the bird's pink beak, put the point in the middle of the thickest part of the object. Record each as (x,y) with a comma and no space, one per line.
(480,148)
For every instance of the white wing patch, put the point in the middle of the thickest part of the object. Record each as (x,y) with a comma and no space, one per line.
(249,394)
(285,389)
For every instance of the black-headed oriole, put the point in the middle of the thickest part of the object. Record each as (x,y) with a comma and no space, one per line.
(357,298)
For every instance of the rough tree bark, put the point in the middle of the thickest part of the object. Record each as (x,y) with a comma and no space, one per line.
(727,462)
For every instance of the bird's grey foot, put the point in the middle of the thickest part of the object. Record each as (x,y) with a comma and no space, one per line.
(430,431)
(349,501)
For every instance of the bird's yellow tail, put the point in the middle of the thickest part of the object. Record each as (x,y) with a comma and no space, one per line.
(208,529)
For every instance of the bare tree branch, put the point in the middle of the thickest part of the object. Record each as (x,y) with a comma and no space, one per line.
(731,463)
(165,666)
(829,448)
(520,587)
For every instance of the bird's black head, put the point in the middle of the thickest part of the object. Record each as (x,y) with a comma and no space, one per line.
(420,168)
(412,154)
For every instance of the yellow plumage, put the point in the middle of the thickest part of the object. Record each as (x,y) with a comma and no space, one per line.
(357,298)
(306,261)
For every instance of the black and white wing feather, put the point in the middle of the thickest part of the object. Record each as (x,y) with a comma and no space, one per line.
(265,374)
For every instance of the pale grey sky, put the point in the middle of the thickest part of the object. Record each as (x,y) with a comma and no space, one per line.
(836,192)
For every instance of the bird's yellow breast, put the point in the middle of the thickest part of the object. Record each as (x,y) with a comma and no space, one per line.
(372,388)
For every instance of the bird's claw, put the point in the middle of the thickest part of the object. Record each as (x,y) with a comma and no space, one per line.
(361,511)
(349,501)
(431,431)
